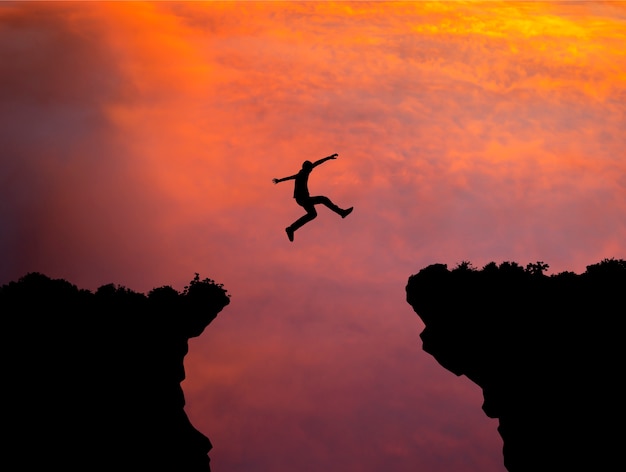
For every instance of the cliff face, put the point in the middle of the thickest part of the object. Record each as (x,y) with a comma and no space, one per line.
(93,380)
(547,352)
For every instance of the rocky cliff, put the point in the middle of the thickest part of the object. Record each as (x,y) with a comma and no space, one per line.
(92,381)
(547,352)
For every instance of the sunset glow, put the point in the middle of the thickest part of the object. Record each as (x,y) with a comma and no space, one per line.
(139,141)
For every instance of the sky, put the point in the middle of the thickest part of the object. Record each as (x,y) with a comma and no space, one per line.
(139,140)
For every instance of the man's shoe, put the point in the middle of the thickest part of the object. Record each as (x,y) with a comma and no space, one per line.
(345,213)
(289,234)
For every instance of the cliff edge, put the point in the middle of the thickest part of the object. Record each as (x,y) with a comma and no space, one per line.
(93,380)
(547,352)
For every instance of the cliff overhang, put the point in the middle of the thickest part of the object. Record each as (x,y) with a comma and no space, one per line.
(94,379)
(547,352)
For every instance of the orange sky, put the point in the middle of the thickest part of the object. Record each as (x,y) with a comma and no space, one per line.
(139,141)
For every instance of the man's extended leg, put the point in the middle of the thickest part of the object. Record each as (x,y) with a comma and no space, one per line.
(321,200)
(346,212)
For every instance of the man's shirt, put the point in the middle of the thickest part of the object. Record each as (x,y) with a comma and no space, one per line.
(301,187)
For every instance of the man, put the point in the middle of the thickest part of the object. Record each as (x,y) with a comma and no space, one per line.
(301,194)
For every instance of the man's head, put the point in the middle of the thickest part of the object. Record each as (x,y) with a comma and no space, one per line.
(307,165)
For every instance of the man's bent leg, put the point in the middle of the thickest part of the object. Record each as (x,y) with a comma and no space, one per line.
(311,213)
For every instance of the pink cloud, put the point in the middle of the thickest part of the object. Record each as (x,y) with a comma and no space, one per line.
(139,143)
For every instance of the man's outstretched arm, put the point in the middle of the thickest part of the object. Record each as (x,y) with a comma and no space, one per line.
(283,179)
(333,156)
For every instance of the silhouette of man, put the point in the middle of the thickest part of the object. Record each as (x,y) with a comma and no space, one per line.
(301,194)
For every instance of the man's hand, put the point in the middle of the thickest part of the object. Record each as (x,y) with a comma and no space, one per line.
(275,181)
(334,156)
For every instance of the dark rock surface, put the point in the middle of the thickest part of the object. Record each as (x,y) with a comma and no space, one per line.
(547,351)
(92,381)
